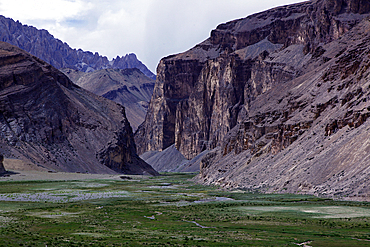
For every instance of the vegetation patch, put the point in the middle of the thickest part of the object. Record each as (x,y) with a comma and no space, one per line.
(311,211)
(172,211)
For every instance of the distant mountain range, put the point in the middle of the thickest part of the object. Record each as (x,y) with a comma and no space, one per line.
(128,87)
(43,45)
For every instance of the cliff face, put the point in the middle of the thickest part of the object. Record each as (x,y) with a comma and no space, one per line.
(128,87)
(309,135)
(201,93)
(47,120)
(262,92)
(43,45)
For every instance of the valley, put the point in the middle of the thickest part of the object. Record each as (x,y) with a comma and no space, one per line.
(257,136)
(169,210)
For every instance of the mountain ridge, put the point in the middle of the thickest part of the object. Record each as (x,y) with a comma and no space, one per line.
(49,121)
(128,87)
(43,45)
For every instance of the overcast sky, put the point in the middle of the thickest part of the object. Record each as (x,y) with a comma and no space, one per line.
(151,29)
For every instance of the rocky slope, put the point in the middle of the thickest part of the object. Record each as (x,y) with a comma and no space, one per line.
(171,160)
(47,120)
(43,45)
(280,96)
(128,87)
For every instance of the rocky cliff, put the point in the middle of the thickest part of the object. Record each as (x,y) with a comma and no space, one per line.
(280,97)
(47,120)
(128,87)
(2,169)
(43,45)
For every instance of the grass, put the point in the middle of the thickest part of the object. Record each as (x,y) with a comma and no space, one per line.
(171,211)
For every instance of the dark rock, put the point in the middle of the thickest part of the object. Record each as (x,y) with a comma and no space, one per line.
(47,120)
(201,93)
(128,87)
(43,45)
(2,169)
(280,97)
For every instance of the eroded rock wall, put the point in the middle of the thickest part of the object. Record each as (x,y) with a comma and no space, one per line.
(280,98)
(308,136)
(49,121)
(203,93)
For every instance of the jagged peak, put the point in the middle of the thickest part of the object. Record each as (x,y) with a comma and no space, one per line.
(33,41)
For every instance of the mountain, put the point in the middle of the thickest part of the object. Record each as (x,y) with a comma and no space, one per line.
(43,45)
(171,160)
(47,120)
(279,97)
(128,87)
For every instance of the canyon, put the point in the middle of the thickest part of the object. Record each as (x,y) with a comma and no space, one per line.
(276,102)
(279,99)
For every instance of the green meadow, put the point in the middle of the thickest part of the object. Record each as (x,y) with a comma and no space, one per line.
(171,210)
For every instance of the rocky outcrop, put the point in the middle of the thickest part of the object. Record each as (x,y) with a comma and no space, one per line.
(2,169)
(47,120)
(201,94)
(309,136)
(128,87)
(43,45)
(280,98)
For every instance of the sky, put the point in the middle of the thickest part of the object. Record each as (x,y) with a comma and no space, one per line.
(152,29)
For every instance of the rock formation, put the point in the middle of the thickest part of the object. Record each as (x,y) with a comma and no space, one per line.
(47,120)
(43,45)
(280,97)
(128,87)
(2,169)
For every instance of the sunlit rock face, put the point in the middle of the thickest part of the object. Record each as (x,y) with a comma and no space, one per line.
(280,97)
(47,120)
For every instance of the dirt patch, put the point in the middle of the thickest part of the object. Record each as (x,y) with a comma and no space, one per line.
(53,214)
(29,175)
(20,165)
(4,221)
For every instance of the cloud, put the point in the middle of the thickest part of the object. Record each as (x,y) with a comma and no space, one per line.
(175,26)
(56,10)
(151,29)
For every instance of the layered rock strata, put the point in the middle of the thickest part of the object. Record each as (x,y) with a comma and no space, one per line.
(47,120)
(128,87)
(268,93)
(309,135)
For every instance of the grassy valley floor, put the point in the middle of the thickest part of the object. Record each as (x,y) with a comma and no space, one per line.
(169,210)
